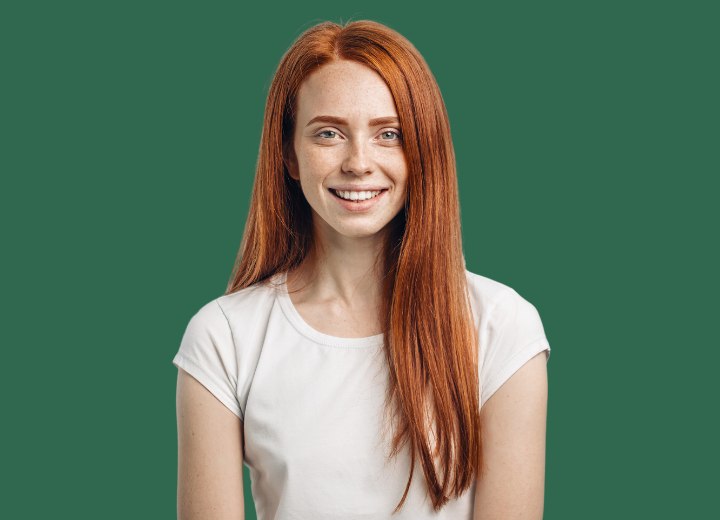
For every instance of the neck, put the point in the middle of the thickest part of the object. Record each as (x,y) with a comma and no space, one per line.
(344,270)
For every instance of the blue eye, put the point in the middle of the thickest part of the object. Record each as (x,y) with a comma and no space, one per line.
(326,132)
(392,132)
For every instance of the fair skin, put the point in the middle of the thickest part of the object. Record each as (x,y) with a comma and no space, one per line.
(355,151)
(514,423)
(339,295)
(210,459)
(343,299)
(360,146)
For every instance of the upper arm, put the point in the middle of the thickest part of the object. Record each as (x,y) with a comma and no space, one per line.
(210,457)
(511,485)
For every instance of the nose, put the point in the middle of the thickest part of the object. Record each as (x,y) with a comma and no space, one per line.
(358,159)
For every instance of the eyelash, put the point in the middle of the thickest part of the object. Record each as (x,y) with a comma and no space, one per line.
(319,134)
(393,132)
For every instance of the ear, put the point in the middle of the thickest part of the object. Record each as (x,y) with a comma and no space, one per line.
(290,160)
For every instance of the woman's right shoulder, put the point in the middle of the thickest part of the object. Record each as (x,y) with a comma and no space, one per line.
(223,340)
(240,299)
(239,308)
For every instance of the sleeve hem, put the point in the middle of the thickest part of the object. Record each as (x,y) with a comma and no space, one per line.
(515,363)
(196,371)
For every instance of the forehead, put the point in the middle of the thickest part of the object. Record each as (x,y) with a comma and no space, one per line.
(346,89)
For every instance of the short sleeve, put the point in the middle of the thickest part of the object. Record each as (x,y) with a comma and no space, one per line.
(515,335)
(207,352)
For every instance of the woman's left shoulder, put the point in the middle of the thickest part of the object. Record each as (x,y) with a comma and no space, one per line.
(494,301)
(511,331)
(486,293)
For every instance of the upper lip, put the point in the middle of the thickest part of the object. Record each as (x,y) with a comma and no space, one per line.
(358,188)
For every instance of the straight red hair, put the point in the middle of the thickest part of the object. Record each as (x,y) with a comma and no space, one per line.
(430,339)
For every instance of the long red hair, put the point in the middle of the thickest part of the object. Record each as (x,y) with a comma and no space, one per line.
(430,338)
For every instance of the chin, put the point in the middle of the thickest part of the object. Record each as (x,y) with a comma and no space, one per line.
(359,233)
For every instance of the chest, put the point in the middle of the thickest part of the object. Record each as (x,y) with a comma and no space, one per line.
(336,321)
(317,434)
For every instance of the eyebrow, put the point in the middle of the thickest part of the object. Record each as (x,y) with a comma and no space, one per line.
(333,120)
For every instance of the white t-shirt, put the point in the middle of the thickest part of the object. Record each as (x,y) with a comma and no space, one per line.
(312,404)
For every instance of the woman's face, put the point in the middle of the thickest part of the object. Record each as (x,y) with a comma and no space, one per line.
(347,142)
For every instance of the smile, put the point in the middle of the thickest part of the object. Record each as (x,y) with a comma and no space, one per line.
(358,196)
(358,201)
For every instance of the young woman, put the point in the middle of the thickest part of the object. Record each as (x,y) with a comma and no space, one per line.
(353,363)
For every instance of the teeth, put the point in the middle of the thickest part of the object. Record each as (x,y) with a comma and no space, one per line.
(357,195)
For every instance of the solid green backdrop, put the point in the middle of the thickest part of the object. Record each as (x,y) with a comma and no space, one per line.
(586,137)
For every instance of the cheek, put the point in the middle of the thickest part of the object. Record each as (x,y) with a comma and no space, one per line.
(400,171)
(316,163)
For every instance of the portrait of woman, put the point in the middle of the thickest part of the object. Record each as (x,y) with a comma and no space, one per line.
(354,364)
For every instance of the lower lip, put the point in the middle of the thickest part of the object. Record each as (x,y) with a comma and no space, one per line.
(359,206)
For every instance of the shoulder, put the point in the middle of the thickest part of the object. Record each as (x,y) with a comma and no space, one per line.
(486,293)
(249,300)
(486,289)
(235,310)
(511,332)
(497,305)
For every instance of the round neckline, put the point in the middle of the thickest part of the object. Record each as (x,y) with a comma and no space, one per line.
(304,328)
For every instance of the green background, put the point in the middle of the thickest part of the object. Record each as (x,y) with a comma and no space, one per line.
(587,143)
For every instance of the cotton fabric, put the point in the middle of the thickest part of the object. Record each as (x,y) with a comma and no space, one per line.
(312,405)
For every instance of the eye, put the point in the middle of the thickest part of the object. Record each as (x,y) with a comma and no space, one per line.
(391,132)
(320,134)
